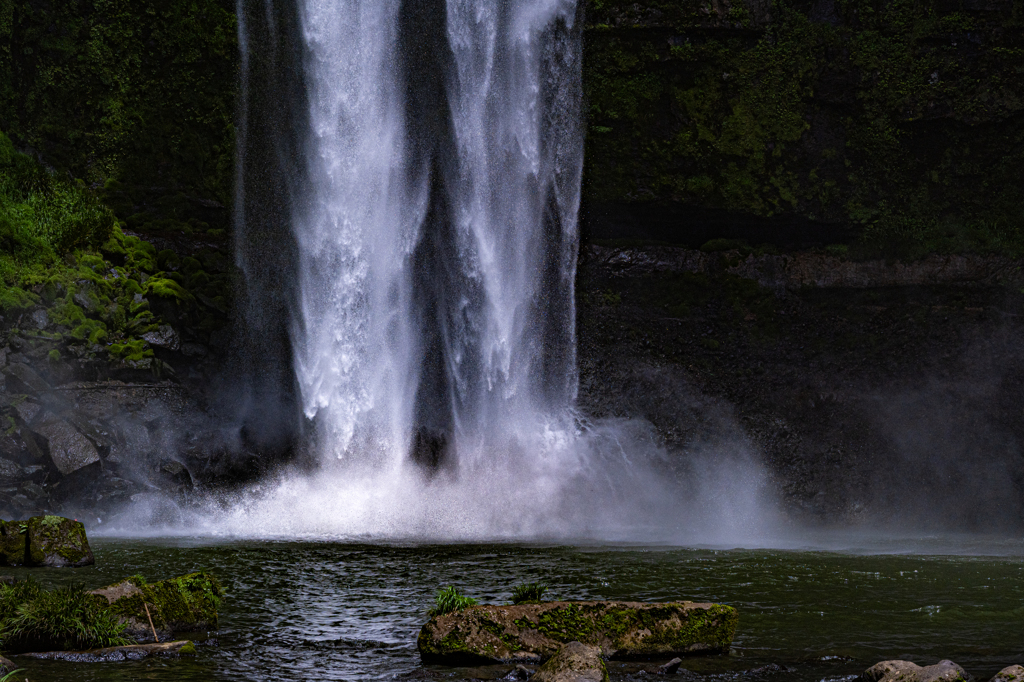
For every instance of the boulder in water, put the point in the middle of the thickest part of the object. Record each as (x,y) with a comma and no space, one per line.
(532,632)
(905,671)
(1015,673)
(184,604)
(56,542)
(574,662)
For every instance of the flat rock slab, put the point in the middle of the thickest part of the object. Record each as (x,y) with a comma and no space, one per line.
(131,652)
(905,671)
(535,632)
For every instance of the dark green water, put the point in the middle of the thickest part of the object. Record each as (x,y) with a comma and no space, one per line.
(337,611)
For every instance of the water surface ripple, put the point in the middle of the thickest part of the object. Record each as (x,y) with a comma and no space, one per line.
(344,611)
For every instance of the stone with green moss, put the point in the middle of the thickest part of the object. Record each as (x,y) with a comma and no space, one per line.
(531,632)
(574,662)
(187,603)
(13,543)
(57,542)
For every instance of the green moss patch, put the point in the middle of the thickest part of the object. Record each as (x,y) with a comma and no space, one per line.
(621,629)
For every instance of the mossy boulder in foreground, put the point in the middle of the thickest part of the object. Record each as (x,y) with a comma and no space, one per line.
(533,632)
(51,541)
(185,604)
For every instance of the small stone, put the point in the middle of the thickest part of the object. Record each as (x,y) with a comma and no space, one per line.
(9,469)
(1015,673)
(40,319)
(520,672)
(27,411)
(670,668)
(574,662)
(164,337)
(57,542)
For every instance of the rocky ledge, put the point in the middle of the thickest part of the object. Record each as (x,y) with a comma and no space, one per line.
(535,632)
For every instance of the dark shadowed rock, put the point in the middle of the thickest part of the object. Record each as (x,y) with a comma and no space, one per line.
(164,337)
(23,379)
(132,652)
(905,671)
(528,632)
(13,543)
(56,542)
(1015,673)
(574,662)
(69,449)
(7,666)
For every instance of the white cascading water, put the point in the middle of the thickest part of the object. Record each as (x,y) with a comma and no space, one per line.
(436,236)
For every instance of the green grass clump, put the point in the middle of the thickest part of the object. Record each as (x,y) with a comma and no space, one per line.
(529,593)
(450,600)
(65,618)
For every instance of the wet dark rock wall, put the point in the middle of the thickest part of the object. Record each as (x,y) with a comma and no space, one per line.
(899,124)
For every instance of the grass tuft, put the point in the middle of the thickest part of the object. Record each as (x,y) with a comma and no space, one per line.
(529,593)
(66,618)
(450,600)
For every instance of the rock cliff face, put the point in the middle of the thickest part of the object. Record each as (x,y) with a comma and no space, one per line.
(865,402)
(806,121)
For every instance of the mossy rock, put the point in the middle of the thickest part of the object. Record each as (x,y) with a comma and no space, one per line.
(531,632)
(188,603)
(57,542)
(13,543)
(574,662)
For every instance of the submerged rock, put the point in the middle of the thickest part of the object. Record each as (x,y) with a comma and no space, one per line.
(184,604)
(56,542)
(533,632)
(905,671)
(1015,673)
(574,662)
(132,652)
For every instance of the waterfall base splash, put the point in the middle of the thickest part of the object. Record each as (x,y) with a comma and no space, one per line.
(605,482)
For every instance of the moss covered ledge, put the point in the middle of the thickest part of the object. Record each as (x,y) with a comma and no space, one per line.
(534,632)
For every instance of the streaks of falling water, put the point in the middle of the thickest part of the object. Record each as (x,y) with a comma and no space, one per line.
(409,185)
(436,223)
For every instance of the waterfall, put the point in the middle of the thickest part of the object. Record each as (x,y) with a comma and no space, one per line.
(437,230)
(409,188)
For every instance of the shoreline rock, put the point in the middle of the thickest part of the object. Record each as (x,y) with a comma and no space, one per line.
(905,671)
(530,633)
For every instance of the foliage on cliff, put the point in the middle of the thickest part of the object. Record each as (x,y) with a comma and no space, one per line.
(135,91)
(905,119)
